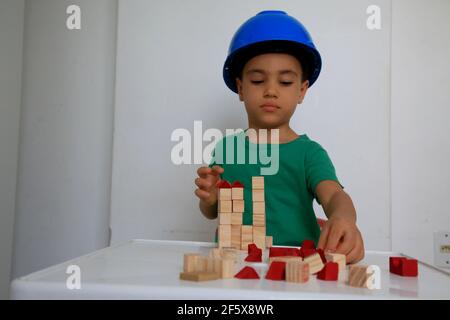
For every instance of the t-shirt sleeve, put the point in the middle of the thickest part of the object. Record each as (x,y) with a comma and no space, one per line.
(318,167)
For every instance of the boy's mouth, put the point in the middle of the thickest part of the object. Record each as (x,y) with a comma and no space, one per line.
(269,107)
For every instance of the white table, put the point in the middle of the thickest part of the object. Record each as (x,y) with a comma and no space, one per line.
(149,269)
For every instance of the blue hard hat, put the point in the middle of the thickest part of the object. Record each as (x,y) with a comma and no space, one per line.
(268,32)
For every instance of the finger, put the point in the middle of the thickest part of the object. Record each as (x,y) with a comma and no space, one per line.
(203,184)
(204,171)
(217,170)
(357,253)
(202,194)
(333,238)
(348,243)
(323,237)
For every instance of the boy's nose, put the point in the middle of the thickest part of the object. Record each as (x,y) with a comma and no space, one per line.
(270,92)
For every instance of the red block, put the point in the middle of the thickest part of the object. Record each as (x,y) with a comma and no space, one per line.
(247,273)
(223,184)
(252,248)
(403,266)
(308,244)
(237,184)
(305,252)
(329,272)
(281,252)
(254,257)
(277,271)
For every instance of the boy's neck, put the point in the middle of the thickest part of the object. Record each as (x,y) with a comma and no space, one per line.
(285,133)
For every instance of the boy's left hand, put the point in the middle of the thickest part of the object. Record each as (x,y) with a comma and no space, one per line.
(341,235)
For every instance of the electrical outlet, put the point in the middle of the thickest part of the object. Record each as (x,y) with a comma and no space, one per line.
(442,249)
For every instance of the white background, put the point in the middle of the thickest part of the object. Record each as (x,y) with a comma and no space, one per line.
(86,118)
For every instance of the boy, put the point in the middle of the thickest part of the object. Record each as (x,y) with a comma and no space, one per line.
(271,64)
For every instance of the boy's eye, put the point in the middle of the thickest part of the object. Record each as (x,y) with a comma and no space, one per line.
(286,83)
(257,81)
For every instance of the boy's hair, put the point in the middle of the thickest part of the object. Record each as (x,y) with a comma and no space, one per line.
(241,58)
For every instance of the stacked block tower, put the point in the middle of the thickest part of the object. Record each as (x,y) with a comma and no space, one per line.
(231,231)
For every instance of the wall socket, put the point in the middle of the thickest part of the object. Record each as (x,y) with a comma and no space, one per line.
(442,249)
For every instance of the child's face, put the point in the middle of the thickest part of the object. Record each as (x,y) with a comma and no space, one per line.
(274,79)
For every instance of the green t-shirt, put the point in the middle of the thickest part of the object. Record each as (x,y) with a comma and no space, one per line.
(289,193)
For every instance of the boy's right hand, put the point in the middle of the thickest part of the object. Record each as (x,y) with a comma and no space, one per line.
(206,183)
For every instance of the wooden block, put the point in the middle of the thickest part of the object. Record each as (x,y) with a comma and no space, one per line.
(236,218)
(259,236)
(225,194)
(201,264)
(358,276)
(246,236)
(269,241)
(210,264)
(227,268)
(224,236)
(215,253)
(190,262)
(258,195)
(238,206)
(237,194)
(315,263)
(199,276)
(236,236)
(257,182)
(230,254)
(259,207)
(225,206)
(340,259)
(285,258)
(225,218)
(297,271)
(259,220)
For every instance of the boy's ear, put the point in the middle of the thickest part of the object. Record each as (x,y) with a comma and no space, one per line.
(239,88)
(304,87)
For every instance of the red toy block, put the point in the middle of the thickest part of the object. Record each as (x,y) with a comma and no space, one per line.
(254,253)
(305,252)
(237,184)
(403,266)
(329,272)
(252,248)
(308,244)
(282,251)
(223,184)
(247,273)
(277,271)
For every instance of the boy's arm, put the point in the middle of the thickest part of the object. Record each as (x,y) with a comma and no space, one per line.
(340,234)
(209,211)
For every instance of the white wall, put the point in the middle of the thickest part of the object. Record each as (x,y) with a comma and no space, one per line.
(420,125)
(11,40)
(63,190)
(169,73)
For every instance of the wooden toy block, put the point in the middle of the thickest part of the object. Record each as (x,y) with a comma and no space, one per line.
(258,195)
(225,194)
(238,206)
(237,191)
(247,273)
(230,254)
(254,253)
(315,263)
(210,264)
(308,244)
(259,220)
(305,252)
(225,218)
(322,255)
(259,207)
(297,271)
(330,272)
(285,258)
(225,206)
(259,236)
(236,236)
(246,236)
(236,218)
(190,262)
(227,268)
(215,253)
(358,276)
(201,264)
(269,241)
(224,236)
(257,182)
(277,271)
(340,259)
(403,266)
(199,276)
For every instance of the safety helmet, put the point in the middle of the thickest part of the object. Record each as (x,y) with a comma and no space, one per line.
(269,32)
